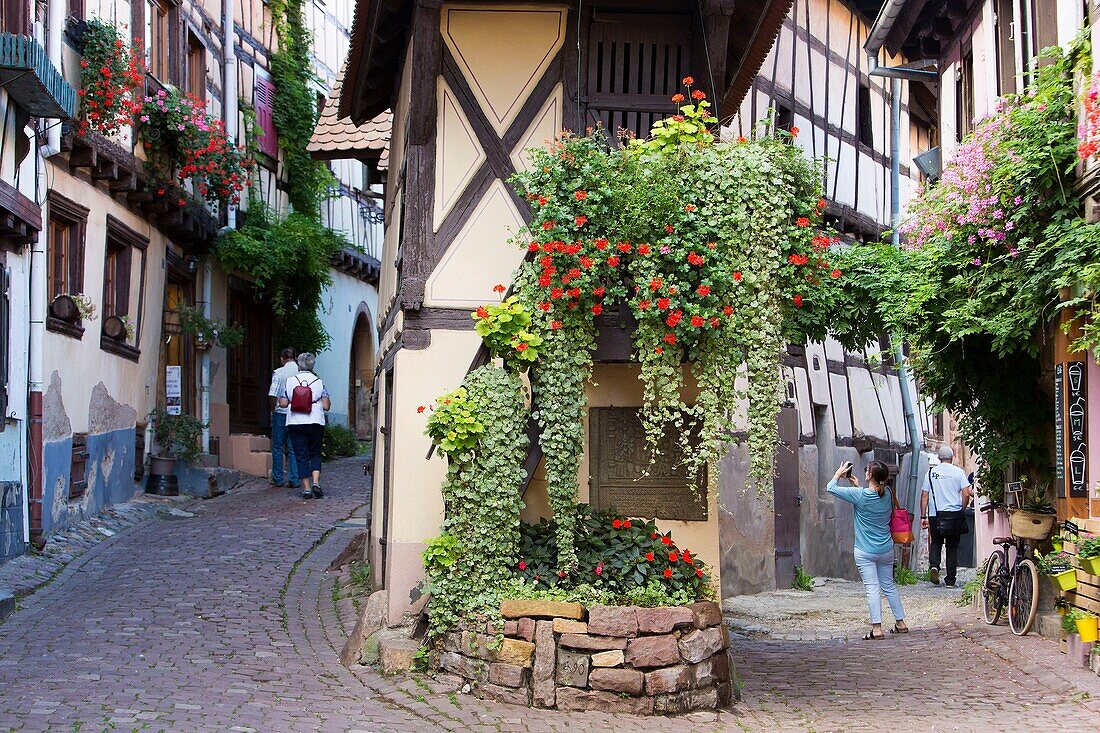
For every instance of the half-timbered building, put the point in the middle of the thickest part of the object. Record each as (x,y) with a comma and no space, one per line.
(471,86)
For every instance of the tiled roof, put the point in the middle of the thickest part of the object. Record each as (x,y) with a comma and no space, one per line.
(337,137)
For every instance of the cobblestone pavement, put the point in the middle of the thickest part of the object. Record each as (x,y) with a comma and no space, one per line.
(227,621)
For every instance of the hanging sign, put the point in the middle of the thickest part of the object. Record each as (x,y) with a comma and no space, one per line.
(173,390)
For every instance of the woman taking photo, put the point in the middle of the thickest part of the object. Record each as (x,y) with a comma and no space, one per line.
(874,550)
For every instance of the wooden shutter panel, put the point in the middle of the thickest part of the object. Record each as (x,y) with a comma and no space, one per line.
(5,339)
(265,116)
(75,258)
(122,280)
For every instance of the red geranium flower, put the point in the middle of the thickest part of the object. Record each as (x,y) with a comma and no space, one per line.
(688,81)
(643,305)
(738,276)
(498,288)
(668,572)
(420,409)
(658,350)
(670,338)
(835,274)
(601,243)
(613,261)
(797,301)
(669,228)
(677,98)
(581,220)
(653,536)
(742,139)
(649,557)
(598,292)
(599,569)
(703,290)
(521,346)
(580,195)
(714,321)
(728,310)
(623,246)
(643,249)
(586,262)
(561,573)
(663,303)
(543,200)
(555,325)
(617,523)
(697,321)
(673,556)
(674,318)
(656,284)
(666,540)
(698,94)
(549,224)
(574,292)
(794,132)
(689,207)
(626,524)
(481,312)
(698,573)
(544,307)
(597,309)
(522,565)
(556,293)
(802,221)
(695,259)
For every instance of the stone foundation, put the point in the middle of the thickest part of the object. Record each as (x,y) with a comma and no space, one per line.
(621,659)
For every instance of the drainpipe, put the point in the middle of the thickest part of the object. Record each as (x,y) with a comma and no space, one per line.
(57,11)
(204,389)
(35,384)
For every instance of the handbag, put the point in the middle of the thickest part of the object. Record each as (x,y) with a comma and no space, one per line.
(901,525)
(948,524)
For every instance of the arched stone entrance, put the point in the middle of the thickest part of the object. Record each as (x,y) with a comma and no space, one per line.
(361,376)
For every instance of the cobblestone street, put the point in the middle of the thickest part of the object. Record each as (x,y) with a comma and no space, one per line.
(226,621)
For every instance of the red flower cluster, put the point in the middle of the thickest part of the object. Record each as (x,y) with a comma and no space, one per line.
(111,72)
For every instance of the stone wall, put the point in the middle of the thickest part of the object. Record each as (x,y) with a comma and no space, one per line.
(608,658)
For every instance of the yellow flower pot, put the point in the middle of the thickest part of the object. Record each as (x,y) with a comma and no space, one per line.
(1091,565)
(1066,580)
(1086,627)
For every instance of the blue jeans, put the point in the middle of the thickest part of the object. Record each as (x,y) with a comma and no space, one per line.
(877,572)
(279,446)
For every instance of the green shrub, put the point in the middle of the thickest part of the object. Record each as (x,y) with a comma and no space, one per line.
(904,576)
(802,579)
(629,560)
(339,440)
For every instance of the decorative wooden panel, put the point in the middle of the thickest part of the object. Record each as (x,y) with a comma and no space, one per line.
(635,64)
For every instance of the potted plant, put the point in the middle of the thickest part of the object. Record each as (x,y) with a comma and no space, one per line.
(1088,553)
(177,437)
(1035,517)
(209,332)
(1085,623)
(1059,568)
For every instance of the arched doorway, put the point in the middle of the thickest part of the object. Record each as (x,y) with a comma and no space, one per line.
(361,376)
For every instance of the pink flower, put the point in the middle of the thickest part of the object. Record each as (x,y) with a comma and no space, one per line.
(976,261)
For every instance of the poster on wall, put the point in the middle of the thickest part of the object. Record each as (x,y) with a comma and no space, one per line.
(173,390)
(1075,430)
(1059,430)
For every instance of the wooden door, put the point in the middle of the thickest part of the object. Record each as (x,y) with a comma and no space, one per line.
(250,364)
(387,471)
(788,501)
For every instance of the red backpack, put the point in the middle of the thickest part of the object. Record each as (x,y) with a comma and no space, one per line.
(301,398)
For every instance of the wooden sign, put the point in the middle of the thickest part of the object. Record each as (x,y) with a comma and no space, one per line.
(623,477)
(1059,430)
(1076,437)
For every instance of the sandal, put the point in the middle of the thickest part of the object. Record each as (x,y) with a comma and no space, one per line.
(871,635)
(897,630)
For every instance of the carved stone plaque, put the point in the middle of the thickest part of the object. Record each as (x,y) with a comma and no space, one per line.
(623,477)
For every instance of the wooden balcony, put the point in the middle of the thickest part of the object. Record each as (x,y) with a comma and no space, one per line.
(28,75)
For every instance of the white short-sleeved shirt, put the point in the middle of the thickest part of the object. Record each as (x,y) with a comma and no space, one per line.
(948,482)
(278,384)
(316,415)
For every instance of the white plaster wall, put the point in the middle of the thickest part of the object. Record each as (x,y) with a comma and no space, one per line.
(341,303)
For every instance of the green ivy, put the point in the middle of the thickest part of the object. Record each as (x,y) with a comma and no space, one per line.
(467,565)
(295,112)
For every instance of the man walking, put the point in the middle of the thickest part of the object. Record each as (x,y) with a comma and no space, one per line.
(279,442)
(947,488)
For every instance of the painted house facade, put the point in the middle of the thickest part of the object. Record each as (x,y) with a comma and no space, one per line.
(80,390)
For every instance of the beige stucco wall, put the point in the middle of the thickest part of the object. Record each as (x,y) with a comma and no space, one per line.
(83,363)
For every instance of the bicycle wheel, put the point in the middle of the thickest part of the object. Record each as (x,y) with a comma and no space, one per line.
(993,594)
(1023,597)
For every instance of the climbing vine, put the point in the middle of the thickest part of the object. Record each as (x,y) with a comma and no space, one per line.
(475,553)
(295,110)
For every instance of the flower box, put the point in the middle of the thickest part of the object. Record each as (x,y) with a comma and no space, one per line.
(1065,580)
(1090,565)
(614,659)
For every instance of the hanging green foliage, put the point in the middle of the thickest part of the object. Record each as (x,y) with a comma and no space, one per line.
(296,107)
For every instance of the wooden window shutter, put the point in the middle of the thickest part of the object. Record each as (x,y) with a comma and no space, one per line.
(75,257)
(122,281)
(5,339)
(78,468)
(265,117)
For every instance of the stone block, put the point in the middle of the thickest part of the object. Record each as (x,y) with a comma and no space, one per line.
(672,704)
(571,698)
(706,613)
(526,629)
(507,675)
(541,609)
(7,606)
(613,621)
(653,651)
(396,653)
(370,651)
(568,626)
(668,680)
(712,671)
(507,695)
(457,641)
(572,669)
(511,628)
(592,643)
(465,667)
(371,619)
(613,658)
(725,691)
(515,651)
(698,644)
(626,681)
(664,620)
(542,671)
(704,699)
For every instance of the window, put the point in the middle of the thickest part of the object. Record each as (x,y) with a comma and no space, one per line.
(156,39)
(784,117)
(196,67)
(265,116)
(14,17)
(1005,39)
(123,287)
(866,131)
(65,257)
(964,95)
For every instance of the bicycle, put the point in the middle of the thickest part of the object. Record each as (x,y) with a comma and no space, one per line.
(1013,586)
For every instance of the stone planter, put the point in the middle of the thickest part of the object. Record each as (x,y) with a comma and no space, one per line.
(619,659)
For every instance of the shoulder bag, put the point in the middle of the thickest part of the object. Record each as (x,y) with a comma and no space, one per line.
(901,526)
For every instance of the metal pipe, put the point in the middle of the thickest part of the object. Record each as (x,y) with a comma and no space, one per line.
(229,87)
(204,389)
(57,11)
(877,36)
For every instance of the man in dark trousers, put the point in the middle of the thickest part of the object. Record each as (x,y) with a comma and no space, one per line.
(943,502)
(279,443)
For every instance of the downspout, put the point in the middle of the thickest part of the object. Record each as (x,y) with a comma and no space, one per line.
(57,12)
(917,71)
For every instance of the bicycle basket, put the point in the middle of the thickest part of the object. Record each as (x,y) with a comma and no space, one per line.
(1029,525)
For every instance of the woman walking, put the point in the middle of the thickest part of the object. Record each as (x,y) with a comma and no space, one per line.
(308,400)
(874,547)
